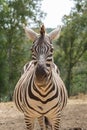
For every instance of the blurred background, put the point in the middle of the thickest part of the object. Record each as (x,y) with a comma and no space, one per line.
(70,50)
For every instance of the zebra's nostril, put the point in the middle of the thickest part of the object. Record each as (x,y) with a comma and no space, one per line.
(48,65)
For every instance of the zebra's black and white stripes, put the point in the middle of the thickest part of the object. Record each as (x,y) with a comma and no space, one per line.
(40,93)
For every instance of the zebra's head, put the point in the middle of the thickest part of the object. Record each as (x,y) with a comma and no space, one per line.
(42,50)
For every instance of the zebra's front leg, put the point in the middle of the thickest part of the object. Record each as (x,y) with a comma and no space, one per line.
(56,124)
(32,123)
(28,122)
(44,123)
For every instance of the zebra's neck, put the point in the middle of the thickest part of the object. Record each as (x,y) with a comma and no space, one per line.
(43,84)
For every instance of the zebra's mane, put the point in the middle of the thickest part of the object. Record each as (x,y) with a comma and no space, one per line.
(42,30)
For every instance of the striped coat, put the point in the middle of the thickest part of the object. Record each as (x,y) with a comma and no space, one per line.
(40,92)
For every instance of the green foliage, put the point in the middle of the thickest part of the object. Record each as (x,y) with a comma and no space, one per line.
(72,45)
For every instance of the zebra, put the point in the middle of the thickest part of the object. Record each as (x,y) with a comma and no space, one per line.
(40,92)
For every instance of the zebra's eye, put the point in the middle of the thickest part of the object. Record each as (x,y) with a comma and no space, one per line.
(52,49)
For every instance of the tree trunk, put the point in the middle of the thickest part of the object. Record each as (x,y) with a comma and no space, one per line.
(68,80)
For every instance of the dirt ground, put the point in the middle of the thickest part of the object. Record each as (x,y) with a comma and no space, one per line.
(74,115)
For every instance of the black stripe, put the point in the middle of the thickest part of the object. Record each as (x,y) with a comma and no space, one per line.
(56,105)
(50,55)
(32,96)
(52,89)
(19,97)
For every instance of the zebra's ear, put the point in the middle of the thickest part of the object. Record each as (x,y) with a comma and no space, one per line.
(55,33)
(30,33)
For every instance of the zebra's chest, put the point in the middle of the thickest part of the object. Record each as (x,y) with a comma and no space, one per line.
(42,108)
(39,100)
(42,101)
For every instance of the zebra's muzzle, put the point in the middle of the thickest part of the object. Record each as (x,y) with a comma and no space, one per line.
(41,71)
